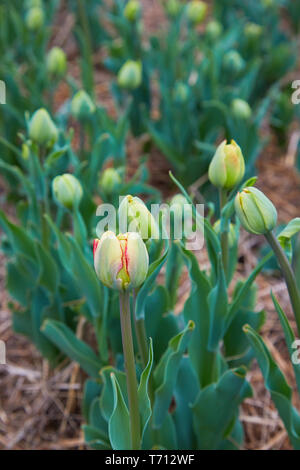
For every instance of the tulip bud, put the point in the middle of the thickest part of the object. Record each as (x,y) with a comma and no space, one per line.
(256,212)
(130,75)
(67,190)
(196,11)
(56,62)
(213,30)
(253,31)
(132,10)
(110,180)
(121,262)
(233,62)
(42,129)
(231,233)
(33,3)
(34,19)
(173,7)
(241,109)
(227,167)
(134,212)
(82,105)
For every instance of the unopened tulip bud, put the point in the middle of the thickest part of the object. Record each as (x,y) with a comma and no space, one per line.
(132,10)
(196,11)
(241,109)
(25,150)
(35,19)
(256,212)
(56,62)
(82,105)
(134,213)
(130,75)
(110,180)
(231,232)
(121,262)
(227,167)
(233,62)
(67,190)
(42,129)
(213,30)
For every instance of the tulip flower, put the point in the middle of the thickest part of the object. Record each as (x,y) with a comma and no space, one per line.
(130,75)
(42,129)
(233,62)
(134,213)
(213,30)
(256,212)
(132,10)
(121,262)
(227,167)
(110,180)
(67,190)
(56,62)
(82,105)
(241,109)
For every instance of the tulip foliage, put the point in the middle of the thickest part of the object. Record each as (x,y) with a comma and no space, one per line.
(163,370)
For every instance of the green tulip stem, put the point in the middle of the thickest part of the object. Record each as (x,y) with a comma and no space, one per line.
(288,275)
(132,388)
(224,235)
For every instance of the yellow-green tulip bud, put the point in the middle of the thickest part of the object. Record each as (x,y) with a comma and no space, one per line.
(35,19)
(25,151)
(256,212)
(213,30)
(67,190)
(42,129)
(181,208)
(132,10)
(241,109)
(121,262)
(233,62)
(196,11)
(227,167)
(110,180)
(134,212)
(173,7)
(82,105)
(181,92)
(56,62)
(130,75)
(231,233)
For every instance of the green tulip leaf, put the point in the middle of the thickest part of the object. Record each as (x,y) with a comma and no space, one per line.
(165,374)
